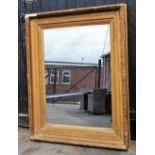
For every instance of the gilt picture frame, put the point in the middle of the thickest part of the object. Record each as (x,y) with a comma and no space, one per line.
(117,137)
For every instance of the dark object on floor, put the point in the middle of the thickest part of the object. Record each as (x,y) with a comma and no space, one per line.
(97,101)
(84,102)
(108,103)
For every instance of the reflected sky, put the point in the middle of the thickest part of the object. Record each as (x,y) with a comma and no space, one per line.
(76,44)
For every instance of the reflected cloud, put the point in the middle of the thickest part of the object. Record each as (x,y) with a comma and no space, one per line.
(76,44)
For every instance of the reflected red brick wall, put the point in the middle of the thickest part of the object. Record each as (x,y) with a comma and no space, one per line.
(82,77)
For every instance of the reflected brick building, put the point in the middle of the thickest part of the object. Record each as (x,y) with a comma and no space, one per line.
(62,77)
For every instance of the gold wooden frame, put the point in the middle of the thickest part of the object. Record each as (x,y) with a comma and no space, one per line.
(117,137)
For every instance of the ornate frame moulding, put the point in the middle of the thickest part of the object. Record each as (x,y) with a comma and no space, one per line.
(117,137)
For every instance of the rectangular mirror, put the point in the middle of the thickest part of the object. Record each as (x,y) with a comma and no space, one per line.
(78,76)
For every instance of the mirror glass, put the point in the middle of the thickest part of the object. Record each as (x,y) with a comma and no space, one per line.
(77,75)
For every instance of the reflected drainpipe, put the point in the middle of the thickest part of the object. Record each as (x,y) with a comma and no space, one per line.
(104,67)
(99,73)
(55,80)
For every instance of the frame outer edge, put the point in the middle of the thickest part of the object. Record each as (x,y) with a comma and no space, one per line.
(125,72)
(28,60)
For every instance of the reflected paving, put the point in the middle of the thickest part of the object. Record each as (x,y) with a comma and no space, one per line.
(70,114)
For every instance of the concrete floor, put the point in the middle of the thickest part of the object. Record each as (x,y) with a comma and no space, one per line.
(28,147)
(70,114)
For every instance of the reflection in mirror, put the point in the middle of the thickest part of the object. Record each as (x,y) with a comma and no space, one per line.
(77,75)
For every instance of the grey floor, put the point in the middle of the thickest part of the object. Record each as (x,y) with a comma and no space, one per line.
(28,147)
(70,114)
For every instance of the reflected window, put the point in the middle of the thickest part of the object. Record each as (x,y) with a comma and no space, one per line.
(54,77)
(66,75)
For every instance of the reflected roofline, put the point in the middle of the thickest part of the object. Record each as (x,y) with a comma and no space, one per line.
(69,63)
